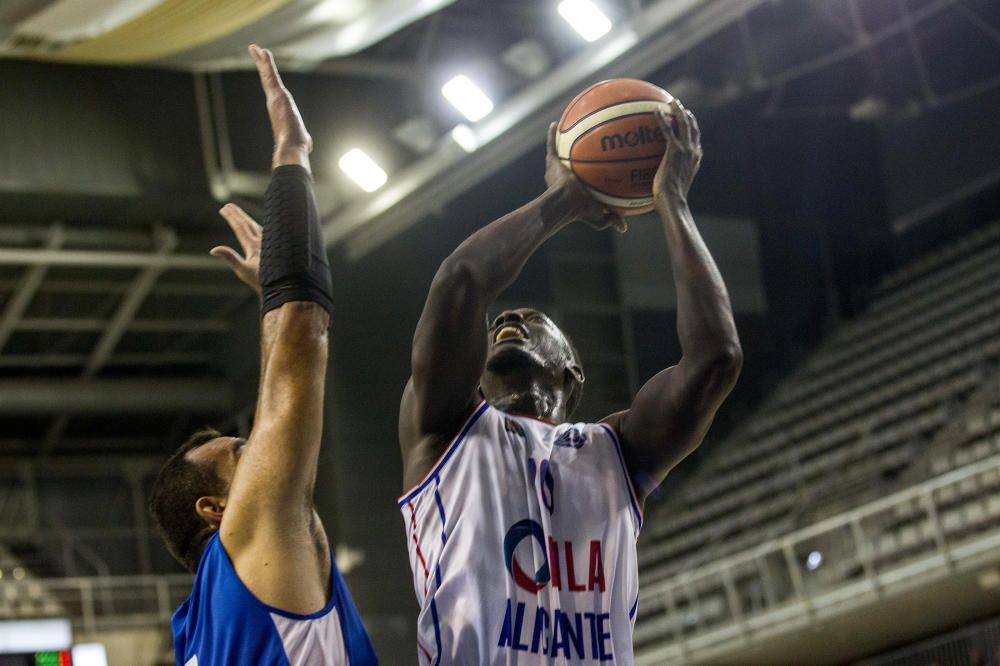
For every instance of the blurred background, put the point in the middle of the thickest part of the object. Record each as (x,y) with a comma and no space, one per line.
(845,508)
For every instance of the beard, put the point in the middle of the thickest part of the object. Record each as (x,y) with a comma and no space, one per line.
(511,359)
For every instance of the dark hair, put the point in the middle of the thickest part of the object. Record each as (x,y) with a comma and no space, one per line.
(177,488)
(575,395)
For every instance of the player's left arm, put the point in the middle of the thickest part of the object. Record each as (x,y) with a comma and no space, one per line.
(672,412)
(269,528)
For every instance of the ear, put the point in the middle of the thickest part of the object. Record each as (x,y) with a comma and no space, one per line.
(210,509)
(574,373)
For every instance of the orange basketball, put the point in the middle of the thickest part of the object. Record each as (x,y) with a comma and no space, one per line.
(608,136)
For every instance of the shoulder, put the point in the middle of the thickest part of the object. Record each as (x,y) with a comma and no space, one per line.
(432,454)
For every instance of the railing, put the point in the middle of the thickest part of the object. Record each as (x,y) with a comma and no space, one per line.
(840,564)
(977,645)
(97,603)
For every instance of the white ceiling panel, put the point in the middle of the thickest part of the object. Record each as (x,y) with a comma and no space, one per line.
(74,20)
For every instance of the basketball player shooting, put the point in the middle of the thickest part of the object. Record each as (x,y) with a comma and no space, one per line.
(521,527)
(240,513)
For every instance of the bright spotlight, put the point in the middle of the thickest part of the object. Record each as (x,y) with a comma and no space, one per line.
(362,170)
(466,96)
(586,18)
(465,137)
(814,560)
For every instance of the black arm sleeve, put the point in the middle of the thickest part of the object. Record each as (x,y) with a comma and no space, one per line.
(293,263)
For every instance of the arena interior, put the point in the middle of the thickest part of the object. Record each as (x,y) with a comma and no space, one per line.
(845,507)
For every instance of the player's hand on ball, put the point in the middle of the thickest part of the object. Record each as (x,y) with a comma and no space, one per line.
(248,234)
(292,143)
(682,158)
(586,208)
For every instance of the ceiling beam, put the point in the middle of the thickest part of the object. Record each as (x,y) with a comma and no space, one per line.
(26,290)
(101,466)
(129,306)
(234,290)
(83,324)
(76,236)
(67,360)
(28,397)
(28,257)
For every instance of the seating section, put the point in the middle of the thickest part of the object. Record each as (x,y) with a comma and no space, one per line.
(907,391)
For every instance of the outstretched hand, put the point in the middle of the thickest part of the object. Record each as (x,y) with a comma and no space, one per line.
(292,143)
(586,208)
(248,234)
(682,158)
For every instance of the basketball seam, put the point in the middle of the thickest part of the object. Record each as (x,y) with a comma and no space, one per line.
(623,159)
(618,196)
(608,106)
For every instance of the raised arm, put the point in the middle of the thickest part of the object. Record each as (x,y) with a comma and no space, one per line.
(672,412)
(269,527)
(450,345)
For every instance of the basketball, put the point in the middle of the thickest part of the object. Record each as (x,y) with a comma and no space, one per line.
(609,138)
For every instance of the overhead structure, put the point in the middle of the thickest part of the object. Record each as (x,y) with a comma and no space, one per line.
(200,34)
(84,298)
(113,396)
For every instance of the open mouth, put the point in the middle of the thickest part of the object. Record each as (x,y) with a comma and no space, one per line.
(509,332)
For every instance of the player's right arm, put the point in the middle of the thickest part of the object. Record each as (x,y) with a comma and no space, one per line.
(449,345)
(269,527)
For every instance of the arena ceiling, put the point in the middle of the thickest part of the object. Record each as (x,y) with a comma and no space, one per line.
(114,325)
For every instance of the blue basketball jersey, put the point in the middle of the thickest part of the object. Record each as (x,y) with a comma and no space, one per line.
(223,624)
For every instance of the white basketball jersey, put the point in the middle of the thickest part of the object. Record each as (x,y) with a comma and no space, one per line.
(522,545)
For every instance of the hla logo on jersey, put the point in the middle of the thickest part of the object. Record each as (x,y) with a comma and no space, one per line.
(553,632)
(556,560)
(644,134)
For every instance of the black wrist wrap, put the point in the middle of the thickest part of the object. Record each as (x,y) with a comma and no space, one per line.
(293,264)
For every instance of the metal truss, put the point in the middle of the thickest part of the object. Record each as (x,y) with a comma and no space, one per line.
(149,255)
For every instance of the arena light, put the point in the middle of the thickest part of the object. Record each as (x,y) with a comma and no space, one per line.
(335,11)
(362,170)
(586,18)
(814,560)
(467,97)
(465,137)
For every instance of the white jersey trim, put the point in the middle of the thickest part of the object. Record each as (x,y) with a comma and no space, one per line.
(630,487)
(445,457)
(314,641)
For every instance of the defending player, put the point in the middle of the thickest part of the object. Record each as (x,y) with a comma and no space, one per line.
(240,513)
(521,527)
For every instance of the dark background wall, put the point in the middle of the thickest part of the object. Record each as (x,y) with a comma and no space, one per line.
(86,143)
